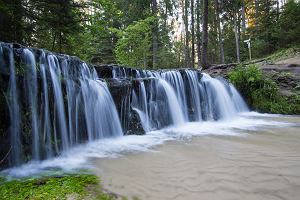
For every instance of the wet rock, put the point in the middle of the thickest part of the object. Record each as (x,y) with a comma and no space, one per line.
(135,126)
(4,124)
(120,90)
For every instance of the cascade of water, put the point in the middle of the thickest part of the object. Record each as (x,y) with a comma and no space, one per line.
(69,104)
(221,103)
(174,106)
(194,94)
(14,112)
(46,124)
(71,100)
(55,73)
(174,78)
(238,101)
(97,106)
(32,92)
(143,106)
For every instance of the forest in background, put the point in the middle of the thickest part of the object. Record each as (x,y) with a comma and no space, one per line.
(153,33)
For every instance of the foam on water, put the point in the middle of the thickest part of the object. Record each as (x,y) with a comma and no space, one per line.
(81,156)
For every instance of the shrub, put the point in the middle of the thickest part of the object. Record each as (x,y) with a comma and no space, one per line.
(261,92)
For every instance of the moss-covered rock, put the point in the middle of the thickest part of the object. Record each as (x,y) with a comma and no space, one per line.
(68,186)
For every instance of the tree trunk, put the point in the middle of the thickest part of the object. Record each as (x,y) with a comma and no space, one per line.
(256,11)
(60,42)
(220,33)
(193,33)
(277,9)
(236,34)
(53,42)
(243,16)
(204,34)
(198,35)
(154,35)
(187,36)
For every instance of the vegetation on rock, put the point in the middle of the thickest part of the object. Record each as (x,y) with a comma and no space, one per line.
(68,186)
(261,92)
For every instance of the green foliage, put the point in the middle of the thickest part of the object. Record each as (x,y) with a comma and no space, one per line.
(287,30)
(134,45)
(273,29)
(60,187)
(100,31)
(261,92)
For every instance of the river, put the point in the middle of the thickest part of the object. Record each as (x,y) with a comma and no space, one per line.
(259,159)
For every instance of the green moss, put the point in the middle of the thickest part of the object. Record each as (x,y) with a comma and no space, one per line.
(79,186)
(2,179)
(261,92)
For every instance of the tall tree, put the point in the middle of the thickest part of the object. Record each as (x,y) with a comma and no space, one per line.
(236,36)
(12,23)
(154,34)
(204,34)
(193,33)
(243,16)
(187,35)
(198,34)
(220,32)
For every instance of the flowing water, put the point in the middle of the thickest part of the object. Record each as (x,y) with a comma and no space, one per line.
(201,140)
(237,161)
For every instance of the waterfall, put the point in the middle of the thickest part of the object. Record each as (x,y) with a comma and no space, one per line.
(174,78)
(172,102)
(32,92)
(46,128)
(63,102)
(55,73)
(14,111)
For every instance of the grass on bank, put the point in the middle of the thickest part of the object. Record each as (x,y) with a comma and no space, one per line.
(68,186)
(281,54)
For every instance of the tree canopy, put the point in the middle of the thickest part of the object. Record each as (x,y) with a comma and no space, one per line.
(150,33)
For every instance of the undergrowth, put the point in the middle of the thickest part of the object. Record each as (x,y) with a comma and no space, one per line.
(71,186)
(261,92)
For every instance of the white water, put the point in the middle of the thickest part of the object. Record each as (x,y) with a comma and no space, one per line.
(72,112)
(32,92)
(14,111)
(79,157)
(172,101)
(64,100)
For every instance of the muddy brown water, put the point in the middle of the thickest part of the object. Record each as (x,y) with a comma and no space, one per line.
(261,164)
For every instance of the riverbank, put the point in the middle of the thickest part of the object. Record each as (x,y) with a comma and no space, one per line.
(256,163)
(63,186)
(270,84)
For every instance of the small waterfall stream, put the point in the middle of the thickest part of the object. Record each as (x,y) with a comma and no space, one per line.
(68,104)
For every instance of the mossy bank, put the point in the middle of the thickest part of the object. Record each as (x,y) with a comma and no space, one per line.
(270,84)
(263,93)
(66,186)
